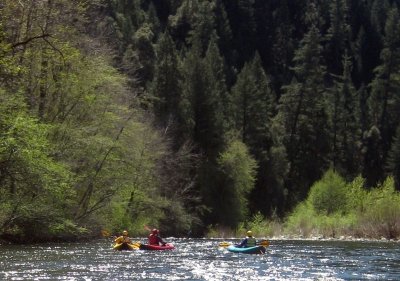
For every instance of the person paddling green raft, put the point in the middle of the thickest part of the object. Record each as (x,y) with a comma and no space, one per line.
(248,241)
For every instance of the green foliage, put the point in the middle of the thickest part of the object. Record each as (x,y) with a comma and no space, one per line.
(238,171)
(299,222)
(373,213)
(34,187)
(67,228)
(382,216)
(78,146)
(356,196)
(259,225)
(328,195)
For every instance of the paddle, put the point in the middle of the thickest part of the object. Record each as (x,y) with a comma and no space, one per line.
(264,243)
(136,244)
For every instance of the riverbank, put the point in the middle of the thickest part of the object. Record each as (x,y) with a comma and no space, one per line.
(311,230)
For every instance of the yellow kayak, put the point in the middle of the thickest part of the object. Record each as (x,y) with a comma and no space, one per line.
(126,246)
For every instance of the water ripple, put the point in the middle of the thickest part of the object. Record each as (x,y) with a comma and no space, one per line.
(201,259)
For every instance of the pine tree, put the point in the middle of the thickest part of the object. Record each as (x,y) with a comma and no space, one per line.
(338,35)
(203,26)
(384,100)
(255,107)
(166,84)
(241,15)
(379,10)
(393,164)
(346,131)
(302,109)
(215,105)
(283,47)
(207,107)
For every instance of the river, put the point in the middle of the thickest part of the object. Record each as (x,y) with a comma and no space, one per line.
(201,259)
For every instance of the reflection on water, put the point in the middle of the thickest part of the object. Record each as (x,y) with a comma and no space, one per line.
(201,259)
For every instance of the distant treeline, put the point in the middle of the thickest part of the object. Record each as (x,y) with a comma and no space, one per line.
(188,113)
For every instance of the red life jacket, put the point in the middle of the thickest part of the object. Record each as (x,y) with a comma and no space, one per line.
(153,239)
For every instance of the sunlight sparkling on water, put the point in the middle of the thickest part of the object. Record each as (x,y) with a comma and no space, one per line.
(202,259)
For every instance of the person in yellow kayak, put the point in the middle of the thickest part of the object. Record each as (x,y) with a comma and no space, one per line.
(155,239)
(123,238)
(248,241)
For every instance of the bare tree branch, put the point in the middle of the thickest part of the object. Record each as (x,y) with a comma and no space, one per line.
(43,36)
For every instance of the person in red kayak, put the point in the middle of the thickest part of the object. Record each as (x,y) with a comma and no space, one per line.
(249,241)
(155,239)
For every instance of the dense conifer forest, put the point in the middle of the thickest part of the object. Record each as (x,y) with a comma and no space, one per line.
(199,116)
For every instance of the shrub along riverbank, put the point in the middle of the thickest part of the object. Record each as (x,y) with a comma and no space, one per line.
(334,208)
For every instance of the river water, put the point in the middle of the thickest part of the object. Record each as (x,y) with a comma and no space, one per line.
(202,259)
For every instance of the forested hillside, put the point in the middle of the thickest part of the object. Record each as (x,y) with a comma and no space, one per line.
(184,114)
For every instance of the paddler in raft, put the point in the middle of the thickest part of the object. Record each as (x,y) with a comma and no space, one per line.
(155,239)
(123,238)
(248,241)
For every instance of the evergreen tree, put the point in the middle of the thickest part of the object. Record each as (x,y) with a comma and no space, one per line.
(372,165)
(338,35)
(379,10)
(214,104)
(302,109)
(203,26)
(241,15)
(165,86)
(182,22)
(393,164)
(127,17)
(345,116)
(283,47)
(384,100)
(204,90)
(255,107)
(225,42)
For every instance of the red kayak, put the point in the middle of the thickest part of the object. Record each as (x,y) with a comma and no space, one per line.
(167,246)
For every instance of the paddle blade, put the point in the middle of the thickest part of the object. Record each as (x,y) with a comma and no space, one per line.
(136,244)
(264,243)
(224,244)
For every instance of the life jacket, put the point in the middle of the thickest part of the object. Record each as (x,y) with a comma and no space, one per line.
(251,242)
(153,239)
(122,239)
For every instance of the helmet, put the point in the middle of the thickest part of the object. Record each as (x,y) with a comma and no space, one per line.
(155,231)
(124,232)
(249,233)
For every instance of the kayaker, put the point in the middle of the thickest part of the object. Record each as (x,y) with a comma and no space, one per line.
(249,241)
(123,238)
(155,239)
